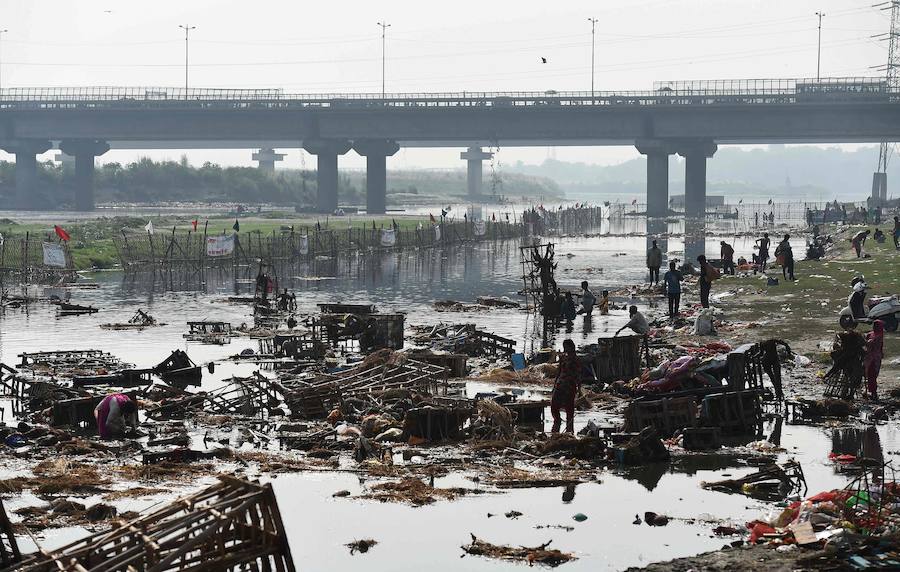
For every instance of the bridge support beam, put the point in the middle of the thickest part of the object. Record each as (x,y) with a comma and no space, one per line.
(84,151)
(376,152)
(657,153)
(26,152)
(474,157)
(326,152)
(266,159)
(695,154)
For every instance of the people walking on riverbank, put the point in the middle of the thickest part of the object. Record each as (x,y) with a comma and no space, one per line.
(565,388)
(763,255)
(707,274)
(874,355)
(672,280)
(727,255)
(784,254)
(654,261)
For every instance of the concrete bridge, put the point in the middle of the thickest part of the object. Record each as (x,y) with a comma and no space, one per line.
(686,118)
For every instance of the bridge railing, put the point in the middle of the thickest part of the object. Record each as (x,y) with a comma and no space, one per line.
(704,92)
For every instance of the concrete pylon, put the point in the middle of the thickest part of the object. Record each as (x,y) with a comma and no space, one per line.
(695,154)
(474,158)
(376,152)
(84,151)
(266,159)
(657,152)
(26,152)
(326,152)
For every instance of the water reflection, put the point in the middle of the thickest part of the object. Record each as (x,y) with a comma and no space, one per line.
(860,443)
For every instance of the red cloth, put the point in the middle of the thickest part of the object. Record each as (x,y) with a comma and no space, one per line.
(758,529)
(61,233)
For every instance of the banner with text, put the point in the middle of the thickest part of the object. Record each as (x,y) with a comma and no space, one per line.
(54,255)
(222,245)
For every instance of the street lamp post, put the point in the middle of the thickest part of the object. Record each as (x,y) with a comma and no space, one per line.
(187,30)
(593,22)
(384,27)
(1,61)
(819,49)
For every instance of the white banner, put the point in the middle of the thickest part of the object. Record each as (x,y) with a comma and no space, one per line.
(604,211)
(303,245)
(480,228)
(221,245)
(54,255)
(437,232)
(388,237)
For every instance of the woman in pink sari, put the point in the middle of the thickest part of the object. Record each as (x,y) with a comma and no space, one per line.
(113,413)
(874,355)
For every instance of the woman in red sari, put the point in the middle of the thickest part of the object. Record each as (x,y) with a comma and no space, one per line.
(568,382)
(874,355)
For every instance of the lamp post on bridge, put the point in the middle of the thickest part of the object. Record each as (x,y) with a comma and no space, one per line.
(3,31)
(819,49)
(593,22)
(384,27)
(187,30)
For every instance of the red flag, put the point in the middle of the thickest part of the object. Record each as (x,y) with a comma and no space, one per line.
(194,222)
(61,233)
(432,217)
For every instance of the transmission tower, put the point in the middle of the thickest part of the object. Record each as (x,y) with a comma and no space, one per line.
(892,75)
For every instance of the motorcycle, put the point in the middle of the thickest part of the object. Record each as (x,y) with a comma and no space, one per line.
(884,308)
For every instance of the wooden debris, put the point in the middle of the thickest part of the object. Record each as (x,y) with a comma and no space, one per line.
(232,525)
(534,555)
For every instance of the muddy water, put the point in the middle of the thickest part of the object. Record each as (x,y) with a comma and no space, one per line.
(412,539)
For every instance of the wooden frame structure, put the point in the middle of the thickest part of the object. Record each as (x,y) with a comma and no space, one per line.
(232,525)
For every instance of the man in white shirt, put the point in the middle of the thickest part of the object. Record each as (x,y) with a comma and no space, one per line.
(639,325)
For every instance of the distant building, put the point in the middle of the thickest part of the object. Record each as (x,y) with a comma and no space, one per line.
(712,201)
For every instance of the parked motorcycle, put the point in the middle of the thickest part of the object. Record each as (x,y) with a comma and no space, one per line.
(857,311)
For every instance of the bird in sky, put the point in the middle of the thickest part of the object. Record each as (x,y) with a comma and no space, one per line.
(543,60)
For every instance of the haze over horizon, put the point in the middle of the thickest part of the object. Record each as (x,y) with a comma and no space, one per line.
(466,46)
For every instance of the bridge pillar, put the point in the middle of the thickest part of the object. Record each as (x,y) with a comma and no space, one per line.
(657,153)
(84,151)
(26,152)
(376,152)
(474,156)
(266,159)
(326,152)
(695,155)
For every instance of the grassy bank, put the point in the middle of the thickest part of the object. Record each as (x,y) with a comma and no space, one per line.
(805,312)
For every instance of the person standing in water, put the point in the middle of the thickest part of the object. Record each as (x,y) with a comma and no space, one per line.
(566,387)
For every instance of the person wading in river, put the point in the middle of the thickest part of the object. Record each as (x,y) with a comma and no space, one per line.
(566,387)
(587,300)
(654,261)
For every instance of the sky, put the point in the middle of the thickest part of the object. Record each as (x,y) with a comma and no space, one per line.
(465,45)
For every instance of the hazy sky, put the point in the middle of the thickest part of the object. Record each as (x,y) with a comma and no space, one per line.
(464,45)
